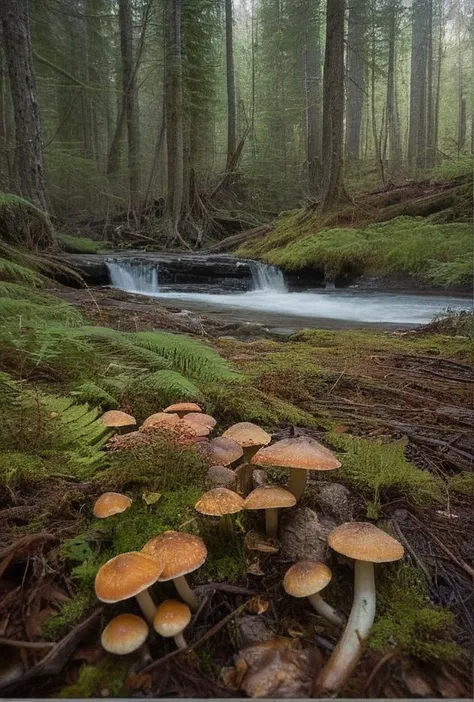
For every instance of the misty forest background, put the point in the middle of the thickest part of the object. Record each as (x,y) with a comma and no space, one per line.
(156,103)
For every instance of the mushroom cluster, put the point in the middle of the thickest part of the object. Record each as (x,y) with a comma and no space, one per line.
(172,555)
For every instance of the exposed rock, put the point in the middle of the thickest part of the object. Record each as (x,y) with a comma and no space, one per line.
(335,500)
(219,476)
(304,536)
(253,629)
(259,478)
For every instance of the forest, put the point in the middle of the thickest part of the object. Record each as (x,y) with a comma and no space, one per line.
(236,348)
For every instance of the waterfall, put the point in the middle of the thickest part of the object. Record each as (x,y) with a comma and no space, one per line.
(267,278)
(141,278)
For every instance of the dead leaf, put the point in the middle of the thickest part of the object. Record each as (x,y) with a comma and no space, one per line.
(253,567)
(258,605)
(259,542)
(151,498)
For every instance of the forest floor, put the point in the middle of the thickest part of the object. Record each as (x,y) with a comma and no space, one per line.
(396,406)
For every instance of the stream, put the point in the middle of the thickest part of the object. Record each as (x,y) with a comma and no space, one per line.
(269,301)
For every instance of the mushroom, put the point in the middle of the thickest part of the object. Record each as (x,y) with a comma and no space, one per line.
(220,502)
(198,428)
(367,545)
(251,438)
(171,619)
(111,503)
(129,575)
(307,579)
(160,419)
(180,554)
(270,498)
(220,476)
(223,451)
(200,418)
(115,419)
(124,634)
(299,455)
(182,408)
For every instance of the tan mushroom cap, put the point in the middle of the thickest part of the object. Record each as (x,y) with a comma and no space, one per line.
(200,418)
(111,503)
(218,502)
(125,576)
(171,618)
(363,541)
(247,434)
(303,452)
(116,418)
(160,419)
(183,407)
(224,451)
(124,634)
(198,428)
(305,578)
(178,552)
(268,497)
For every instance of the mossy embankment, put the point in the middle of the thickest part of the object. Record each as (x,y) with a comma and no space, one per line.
(376,239)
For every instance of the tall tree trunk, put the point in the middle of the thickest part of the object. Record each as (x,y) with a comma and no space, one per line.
(28,161)
(174,114)
(333,106)
(430,102)
(418,84)
(392,117)
(373,59)
(231,103)
(5,164)
(355,83)
(312,72)
(130,93)
(461,136)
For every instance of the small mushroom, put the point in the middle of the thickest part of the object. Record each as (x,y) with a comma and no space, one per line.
(220,476)
(307,579)
(251,438)
(223,503)
(111,503)
(179,554)
(124,634)
(223,451)
(160,419)
(129,575)
(300,455)
(182,408)
(171,619)
(200,418)
(366,544)
(270,498)
(198,428)
(115,419)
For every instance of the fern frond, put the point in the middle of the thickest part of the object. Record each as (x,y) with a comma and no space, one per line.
(10,270)
(30,312)
(94,394)
(171,384)
(117,344)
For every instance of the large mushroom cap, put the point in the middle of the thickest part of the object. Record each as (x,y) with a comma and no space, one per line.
(160,419)
(305,578)
(363,541)
(178,552)
(116,418)
(200,418)
(303,452)
(125,576)
(197,428)
(124,634)
(111,503)
(269,496)
(183,408)
(171,618)
(218,502)
(247,434)
(223,451)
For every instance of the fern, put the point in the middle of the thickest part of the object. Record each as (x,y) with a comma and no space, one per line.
(10,270)
(94,394)
(31,312)
(170,383)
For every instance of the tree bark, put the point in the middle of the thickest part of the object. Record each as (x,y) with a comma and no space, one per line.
(174,115)
(130,93)
(355,83)
(417,138)
(333,106)
(312,72)
(28,160)
(392,116)
(231,103)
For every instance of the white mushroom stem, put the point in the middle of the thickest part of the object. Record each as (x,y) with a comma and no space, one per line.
(271,522)
(180,641)
(146,604)
(297,482)
(325,610)
(186,593)
(348,651)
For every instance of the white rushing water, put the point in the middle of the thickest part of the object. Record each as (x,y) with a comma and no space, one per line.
(270,295)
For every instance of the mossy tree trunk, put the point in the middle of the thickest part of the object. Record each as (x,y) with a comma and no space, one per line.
(28,166)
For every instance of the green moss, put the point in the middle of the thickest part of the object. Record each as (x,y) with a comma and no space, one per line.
(226,555)
(105,679)
(70,613)
(463,483)
(78,244)
(406,620)
(24,224)
(379,469)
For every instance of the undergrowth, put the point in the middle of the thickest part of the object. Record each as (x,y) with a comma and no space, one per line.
(79,244)
(23,223)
